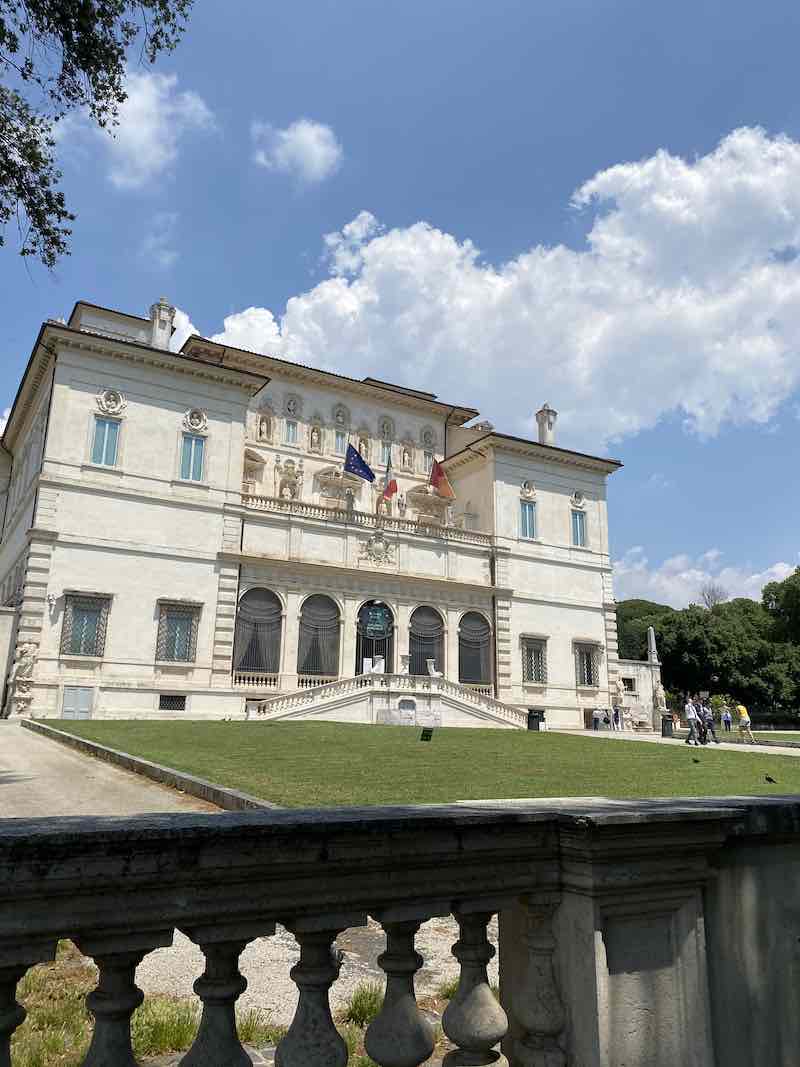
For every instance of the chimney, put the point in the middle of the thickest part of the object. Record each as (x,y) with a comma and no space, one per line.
(546,419)
(162,316)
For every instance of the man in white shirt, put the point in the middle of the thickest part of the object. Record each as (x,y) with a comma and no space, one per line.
(691,721)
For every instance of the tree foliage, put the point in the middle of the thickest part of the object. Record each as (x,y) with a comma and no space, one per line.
(57,56)
(740,647)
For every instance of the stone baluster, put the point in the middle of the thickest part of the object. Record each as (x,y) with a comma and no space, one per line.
(473,1020)
(400,1036)
(537,1001)
(219,987)
(312,1039)
(12,1014)
(117,996)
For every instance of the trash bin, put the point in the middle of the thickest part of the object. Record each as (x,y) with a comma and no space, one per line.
(667,726)
(535,719)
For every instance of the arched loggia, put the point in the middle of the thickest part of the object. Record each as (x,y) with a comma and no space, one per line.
(318,640)
(257,638)
(474,650)
(425,640)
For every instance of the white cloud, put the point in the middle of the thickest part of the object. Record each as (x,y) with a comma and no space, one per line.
(152,122)
(683,302)
(4,420)
(679,580)
(307,150)
(183,329)
(157,247)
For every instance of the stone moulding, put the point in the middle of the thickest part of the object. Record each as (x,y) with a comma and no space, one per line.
(601,920)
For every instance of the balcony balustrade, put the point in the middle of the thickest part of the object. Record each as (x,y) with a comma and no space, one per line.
(366,519)
(627,929)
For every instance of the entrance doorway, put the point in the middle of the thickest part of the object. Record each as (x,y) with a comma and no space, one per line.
(375,636)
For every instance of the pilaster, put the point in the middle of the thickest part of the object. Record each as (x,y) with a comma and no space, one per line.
(224,624)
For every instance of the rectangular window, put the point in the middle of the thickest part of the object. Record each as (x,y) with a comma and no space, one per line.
(386,453)
(177,632)
(586,665)
(629,685)
(192,455)
(291,432)
(428,461)
(527,519)
(171,702)
(84,629)
(534,661)
(104,446)
(340,446)
(579,529)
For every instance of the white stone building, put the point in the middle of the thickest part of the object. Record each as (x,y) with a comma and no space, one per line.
(179,539)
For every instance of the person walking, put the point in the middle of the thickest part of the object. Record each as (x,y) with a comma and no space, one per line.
(596,719)
(726,718)
(744,724)
(691,721)
(708,717)
(702,731)
(615,723)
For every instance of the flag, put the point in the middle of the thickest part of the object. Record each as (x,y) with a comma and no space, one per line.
(355,463)
(389,483)
(440,481)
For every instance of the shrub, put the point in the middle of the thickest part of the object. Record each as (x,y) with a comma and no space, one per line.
(364,1004)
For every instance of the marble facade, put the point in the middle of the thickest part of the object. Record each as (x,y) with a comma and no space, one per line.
(146,492)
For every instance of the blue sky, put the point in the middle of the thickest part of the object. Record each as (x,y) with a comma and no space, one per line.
(595,204)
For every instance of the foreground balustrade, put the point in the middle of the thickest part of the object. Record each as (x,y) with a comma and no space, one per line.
(607,915)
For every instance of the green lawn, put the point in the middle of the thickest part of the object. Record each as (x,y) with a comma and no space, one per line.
(328,764)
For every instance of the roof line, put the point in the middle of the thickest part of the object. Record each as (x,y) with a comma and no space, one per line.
(615,463)
(429,398)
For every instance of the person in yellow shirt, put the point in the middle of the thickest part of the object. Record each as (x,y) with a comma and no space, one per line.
(744,724)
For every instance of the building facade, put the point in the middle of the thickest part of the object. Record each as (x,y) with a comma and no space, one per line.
(180,539)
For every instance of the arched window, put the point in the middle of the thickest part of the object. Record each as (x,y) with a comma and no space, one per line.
(257,641)
(426,640)
(318,643)
(474,650)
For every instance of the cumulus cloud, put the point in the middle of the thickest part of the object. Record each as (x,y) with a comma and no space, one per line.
(306,150)
(679,580)
(183,329)
(157,247)
(152,122)
(4,420)
(684,301)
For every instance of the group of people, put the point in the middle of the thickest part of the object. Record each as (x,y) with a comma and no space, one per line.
(700,720)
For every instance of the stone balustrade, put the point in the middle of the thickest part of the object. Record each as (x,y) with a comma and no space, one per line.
(649,934)
(319,691)
(366,519)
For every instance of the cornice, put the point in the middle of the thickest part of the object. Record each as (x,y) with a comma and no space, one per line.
(347,572)
(272,367)
(134,352)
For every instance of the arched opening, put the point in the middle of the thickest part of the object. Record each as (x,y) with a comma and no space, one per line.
(474,650)
(257,639)
(425,640)
(318,641)
(375,636)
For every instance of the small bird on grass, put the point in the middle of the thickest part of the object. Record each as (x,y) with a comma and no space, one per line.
(770,779)
(695,760)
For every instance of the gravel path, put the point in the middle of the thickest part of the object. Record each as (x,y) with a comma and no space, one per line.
(265,963)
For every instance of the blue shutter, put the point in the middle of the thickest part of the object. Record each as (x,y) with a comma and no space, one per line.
(186,458)
(197,466)
(192,458)
(104,447)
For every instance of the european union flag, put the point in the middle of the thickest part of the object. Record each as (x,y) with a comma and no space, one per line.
(355,463)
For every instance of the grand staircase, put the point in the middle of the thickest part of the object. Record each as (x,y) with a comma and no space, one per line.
(400,699)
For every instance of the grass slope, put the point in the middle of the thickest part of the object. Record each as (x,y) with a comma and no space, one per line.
(328,764)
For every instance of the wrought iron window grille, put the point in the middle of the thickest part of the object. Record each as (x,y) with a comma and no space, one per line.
(83,632)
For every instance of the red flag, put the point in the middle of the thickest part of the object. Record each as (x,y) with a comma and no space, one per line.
(440,481)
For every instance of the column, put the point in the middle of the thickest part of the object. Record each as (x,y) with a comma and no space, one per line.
(291,638)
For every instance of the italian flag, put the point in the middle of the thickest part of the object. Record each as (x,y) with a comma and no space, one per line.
(440,481)
(389,483)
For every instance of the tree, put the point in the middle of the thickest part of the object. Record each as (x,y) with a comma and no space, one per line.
(57,56)
(633,619)
(782,601)
(712,593)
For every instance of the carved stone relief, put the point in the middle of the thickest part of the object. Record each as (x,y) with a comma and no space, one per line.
(196,420)
(111,401)
(288,479)
(378,550)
